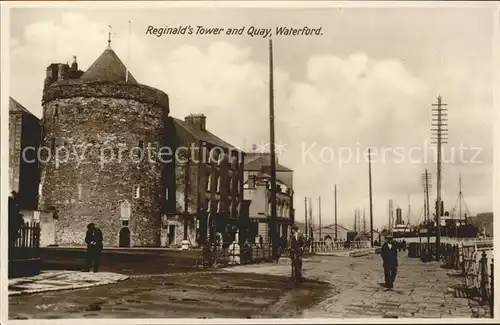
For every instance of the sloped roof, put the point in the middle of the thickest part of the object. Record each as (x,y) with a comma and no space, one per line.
(108,67)
(14,106)
(203,135)
(268,176)
(256,162)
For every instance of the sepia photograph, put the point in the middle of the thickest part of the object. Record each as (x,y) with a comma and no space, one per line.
(249,161)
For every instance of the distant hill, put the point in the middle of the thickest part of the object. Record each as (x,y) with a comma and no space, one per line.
(485,219)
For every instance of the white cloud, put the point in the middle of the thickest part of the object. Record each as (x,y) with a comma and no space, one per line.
(353,101)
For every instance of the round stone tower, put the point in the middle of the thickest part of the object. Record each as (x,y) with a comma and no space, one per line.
(101,134)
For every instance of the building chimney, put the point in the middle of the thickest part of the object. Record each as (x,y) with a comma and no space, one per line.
(197,121)
(399,217)
(74,65)
(52,74)
(62,72)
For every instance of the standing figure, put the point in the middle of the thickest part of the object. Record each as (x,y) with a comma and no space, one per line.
(297,244)
(247,249)
(389,255)
(93,239)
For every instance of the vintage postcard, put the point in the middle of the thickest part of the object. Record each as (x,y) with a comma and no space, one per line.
(247,162)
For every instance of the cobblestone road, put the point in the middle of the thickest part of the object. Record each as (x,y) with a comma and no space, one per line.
(422,290)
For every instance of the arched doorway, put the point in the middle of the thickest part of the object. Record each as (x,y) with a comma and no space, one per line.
(124,240)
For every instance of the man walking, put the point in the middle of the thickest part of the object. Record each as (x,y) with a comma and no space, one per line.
(93,239)
(389,255)
(297,243)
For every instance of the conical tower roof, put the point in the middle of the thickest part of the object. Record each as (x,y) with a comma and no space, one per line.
(108,67)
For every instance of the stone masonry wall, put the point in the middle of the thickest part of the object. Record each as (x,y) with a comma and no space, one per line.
(99,165)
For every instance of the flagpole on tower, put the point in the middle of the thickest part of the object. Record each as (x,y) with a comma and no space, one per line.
(128,50)
(109,37)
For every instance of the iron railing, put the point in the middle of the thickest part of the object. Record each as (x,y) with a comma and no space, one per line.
(27,244)
(326,246)
(362,244)
(229,254)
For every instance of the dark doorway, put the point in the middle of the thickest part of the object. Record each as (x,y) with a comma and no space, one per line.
(124,237)
(171,234)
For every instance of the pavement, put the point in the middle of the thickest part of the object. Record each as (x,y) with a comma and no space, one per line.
(61,280)
(208,294)
(422,290)
(334,287)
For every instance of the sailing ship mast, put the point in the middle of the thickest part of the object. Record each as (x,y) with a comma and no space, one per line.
(460,202)
(460,197)
(409,209)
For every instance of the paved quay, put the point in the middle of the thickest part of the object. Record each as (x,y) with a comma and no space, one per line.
(213,294)
(61,280)
(422,290)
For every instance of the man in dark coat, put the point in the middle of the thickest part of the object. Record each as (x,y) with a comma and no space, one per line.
(389,255)
(94,247)
(297,243)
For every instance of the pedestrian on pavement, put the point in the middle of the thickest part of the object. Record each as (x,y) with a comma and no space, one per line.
(389,255)
(248,251)
(297,244)
(93,239)
(261,242)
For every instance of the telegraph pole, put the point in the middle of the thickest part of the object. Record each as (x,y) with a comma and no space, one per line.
(440,132)
(306,230)
(356,220)
(186,198)
(391,215)
(426,183)
(371,201)
(311,220)
(336,212)
(319,214)
(273,153)
(364,220)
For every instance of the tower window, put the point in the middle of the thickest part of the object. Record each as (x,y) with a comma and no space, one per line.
(137,192)
(166,194)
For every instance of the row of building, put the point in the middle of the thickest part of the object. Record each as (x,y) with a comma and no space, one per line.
(85,161)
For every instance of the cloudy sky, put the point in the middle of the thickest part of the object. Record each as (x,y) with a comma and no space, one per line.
(368,81)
